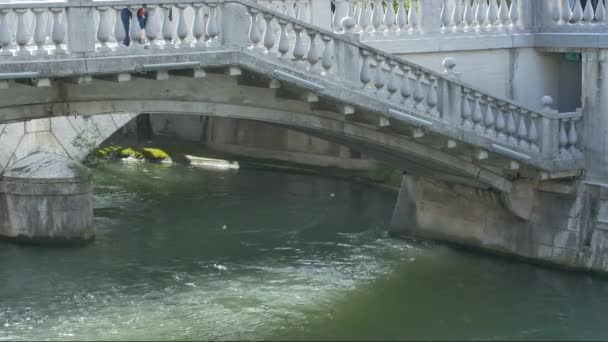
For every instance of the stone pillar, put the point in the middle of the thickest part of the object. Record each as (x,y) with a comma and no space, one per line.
(81,29)
(404,215)
(46,198)
(235,25)
(430,15)
(348,58)
(595,118)
(321,13)
(531,14)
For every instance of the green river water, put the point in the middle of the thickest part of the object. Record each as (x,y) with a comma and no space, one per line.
(189,254)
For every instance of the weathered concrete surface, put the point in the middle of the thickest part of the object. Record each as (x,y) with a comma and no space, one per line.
(46,197)
(72,137)
(257,140)
(567,226)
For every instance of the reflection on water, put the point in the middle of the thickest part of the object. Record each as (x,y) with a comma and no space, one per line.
(183,253)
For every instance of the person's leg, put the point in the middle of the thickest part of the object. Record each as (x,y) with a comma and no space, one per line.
(125,15)
(142,25)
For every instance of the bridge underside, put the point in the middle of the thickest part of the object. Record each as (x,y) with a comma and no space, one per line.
(238,93)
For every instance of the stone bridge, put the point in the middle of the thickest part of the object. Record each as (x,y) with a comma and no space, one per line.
(64,67)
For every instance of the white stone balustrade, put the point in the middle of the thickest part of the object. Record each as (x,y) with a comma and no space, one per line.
(571,16)
(479,15)
(32,30)
(378,16)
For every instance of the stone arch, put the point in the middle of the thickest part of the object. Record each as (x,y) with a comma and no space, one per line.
(76,112)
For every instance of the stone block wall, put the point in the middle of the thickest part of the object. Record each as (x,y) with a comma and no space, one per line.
(568,225)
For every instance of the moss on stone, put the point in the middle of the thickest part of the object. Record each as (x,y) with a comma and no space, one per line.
(113,152)
(130,153)
(154,153)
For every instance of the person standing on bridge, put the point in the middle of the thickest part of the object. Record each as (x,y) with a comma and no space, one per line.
(142,18)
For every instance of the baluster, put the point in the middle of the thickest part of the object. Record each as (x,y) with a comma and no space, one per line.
(351,9)
(563,137)
(412,16)
(377,15)
(298,46)
(418,91)
(119,30)
(283,39)
(290,9)
(23,33)
(254,32)
(600,12)
(503,14)
(500,121)
(555,12)
(393,82)
(566,11)
(167,27)
(431,97)
(533,133)
(103,29)
(445,16)
(328,56)
(153,26)
(511,126)
(364,17)
(58,31)
(379,77)
(466,108)
(213,29)
(474,10)
(39,34)
(577,12)
(198,27)
(401,16)
(268,34)
(522,130)
(588,14)
(485,8)
(340,12)
(313,50)
(5,33)
(365,75)
(513,15)
(301,11)
(457,15)
(479,14)
(389,17)
(357,13)
(492,15)
(182,26)
(468,16)
(477,115)
(134,28)
(406,89)
(489,117)
(573,137)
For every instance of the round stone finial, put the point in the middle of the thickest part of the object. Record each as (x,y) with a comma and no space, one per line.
(347,24)
(547,101)
(449,63)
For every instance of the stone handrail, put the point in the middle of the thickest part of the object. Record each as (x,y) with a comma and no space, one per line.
(410,93)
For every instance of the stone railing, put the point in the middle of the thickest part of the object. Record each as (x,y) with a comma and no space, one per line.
(562,16)
(404,19)
(403,91)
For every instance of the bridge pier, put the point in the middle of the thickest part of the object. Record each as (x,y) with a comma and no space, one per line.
(567,226)
(46,198)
